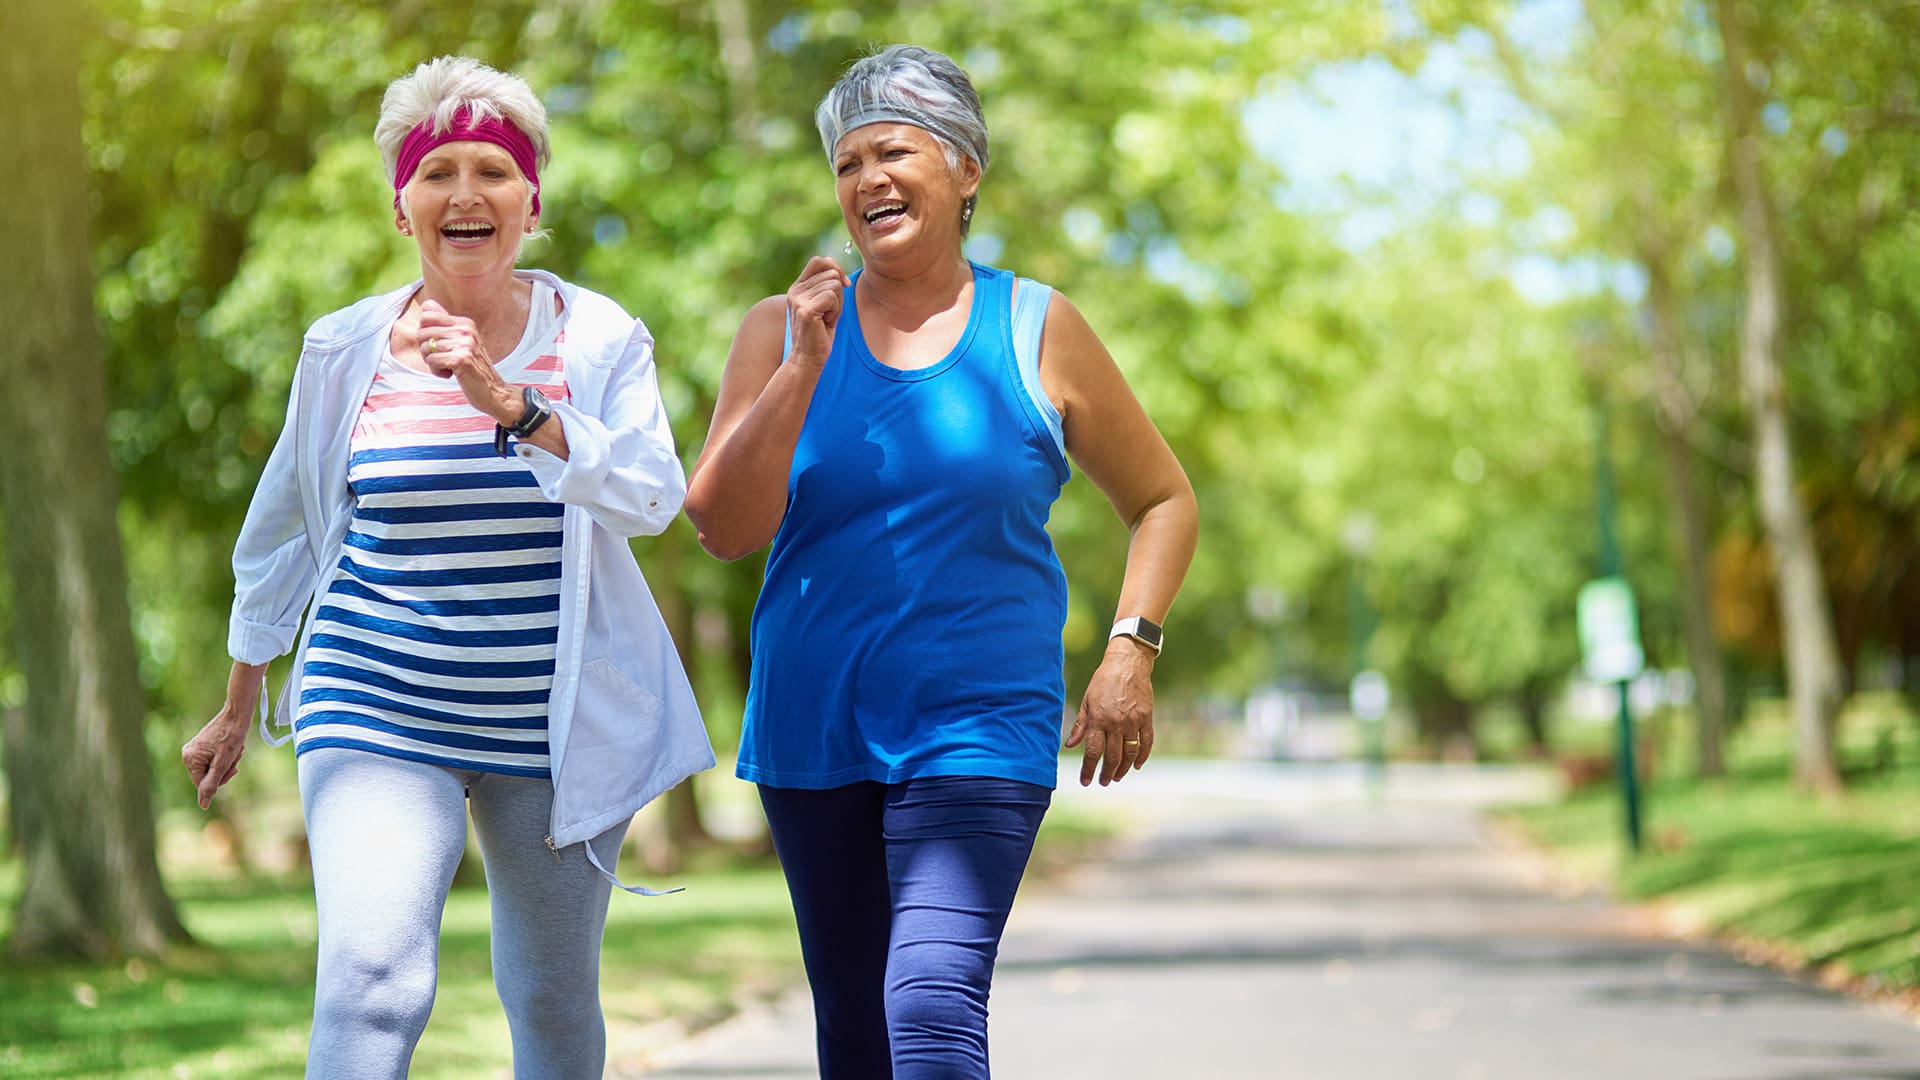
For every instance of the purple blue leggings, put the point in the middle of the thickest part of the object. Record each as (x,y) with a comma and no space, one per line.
(901,892)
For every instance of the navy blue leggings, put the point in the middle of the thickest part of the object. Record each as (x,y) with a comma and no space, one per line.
(901,892)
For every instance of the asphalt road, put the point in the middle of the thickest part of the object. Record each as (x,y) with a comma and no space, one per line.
(1265,922)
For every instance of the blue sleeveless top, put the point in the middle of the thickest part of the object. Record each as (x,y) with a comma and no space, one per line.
(910,621)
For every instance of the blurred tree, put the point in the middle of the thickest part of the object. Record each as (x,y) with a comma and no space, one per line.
(77,768)
(1302,376)
(1632,156)
(232,144)
(1806,618)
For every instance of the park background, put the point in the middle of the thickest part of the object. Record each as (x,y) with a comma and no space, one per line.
(1447,306)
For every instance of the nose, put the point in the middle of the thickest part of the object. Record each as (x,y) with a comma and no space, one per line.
(873,176)
(466,189)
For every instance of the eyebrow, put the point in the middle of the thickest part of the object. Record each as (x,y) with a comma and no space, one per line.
(490,155)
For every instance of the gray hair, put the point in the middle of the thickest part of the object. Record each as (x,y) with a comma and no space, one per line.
(441,87)
(906,84)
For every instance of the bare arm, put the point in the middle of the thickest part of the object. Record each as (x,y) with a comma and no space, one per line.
(212,756)
(1119,449)
(737,496)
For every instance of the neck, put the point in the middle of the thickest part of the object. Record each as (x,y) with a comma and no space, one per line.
(929,287)
(497,303)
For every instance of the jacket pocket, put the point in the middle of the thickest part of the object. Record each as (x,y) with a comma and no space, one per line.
(615,738)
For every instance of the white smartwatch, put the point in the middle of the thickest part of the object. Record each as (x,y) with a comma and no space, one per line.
(1139,628)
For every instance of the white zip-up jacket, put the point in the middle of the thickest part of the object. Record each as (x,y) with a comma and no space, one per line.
(622,725)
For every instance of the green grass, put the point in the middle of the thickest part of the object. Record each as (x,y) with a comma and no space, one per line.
(238,1006)
(1824,882)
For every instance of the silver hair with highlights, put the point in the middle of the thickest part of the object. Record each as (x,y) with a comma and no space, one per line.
(906,84)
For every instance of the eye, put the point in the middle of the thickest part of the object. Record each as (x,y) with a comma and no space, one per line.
(847,166)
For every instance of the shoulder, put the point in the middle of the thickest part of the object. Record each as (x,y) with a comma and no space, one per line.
(763,330)
(596,321)
(1065,325)
(1073,360)
(762,337)
(767,316)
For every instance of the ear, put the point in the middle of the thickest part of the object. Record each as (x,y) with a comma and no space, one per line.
(969,177)
(400,222)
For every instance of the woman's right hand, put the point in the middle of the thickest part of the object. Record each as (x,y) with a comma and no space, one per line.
(212,757)
(813,309)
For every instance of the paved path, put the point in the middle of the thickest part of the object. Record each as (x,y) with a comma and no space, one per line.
(1271,923)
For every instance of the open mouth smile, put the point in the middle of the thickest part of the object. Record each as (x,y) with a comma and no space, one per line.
(467,232)
(885,210)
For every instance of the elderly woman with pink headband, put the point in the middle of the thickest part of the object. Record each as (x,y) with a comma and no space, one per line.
(449,503)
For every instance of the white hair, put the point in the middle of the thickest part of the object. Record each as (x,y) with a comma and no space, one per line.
(440,87)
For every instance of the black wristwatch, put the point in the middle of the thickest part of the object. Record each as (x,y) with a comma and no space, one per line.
(538,411)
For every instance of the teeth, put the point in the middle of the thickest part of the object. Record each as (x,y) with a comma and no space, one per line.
(468,229)
(874,212)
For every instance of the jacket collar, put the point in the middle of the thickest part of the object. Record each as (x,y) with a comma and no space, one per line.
(376,313)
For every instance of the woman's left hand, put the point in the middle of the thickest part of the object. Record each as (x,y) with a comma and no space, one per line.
(450,346)
(1116,715)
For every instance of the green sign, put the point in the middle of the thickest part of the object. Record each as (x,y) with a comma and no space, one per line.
(1609,631)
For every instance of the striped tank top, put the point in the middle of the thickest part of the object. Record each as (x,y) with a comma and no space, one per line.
(435,641)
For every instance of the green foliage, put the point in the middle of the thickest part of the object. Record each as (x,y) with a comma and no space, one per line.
(1829,882)
(241,1005)
(241,197)
(1307,381)
(242,1008)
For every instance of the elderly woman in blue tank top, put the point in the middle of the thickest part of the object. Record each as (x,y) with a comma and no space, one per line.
(900,437)
(449,501)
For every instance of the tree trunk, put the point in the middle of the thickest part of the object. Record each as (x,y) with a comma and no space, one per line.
(1676,413)
(1532,701)
(1806,623)
(735,29)
(77,769)
(684,829)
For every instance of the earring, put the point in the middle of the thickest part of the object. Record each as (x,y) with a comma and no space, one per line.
(966,212)
(848,249)
(406,230)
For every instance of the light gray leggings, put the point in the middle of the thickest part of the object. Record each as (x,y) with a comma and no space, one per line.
(386,835)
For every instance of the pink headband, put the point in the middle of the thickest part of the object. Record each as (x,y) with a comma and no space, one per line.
(421,141)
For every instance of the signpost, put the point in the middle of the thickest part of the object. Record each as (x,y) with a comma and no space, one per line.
(1610,626)
(1368,697)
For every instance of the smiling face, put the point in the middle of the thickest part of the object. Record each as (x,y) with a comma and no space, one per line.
(897,193)
(468,208)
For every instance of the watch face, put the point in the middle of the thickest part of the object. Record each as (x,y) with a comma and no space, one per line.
(532,396)
(1148,632)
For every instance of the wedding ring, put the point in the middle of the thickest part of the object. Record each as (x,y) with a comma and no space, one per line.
(432,345)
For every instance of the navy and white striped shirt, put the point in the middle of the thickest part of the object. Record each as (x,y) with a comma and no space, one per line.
(435,641)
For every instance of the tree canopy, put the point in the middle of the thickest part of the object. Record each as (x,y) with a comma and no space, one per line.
(1371,389)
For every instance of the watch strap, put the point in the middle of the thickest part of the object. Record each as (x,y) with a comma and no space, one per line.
(1139,628)
(538,412)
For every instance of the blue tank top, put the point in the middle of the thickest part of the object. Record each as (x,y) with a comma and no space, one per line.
(910,621)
